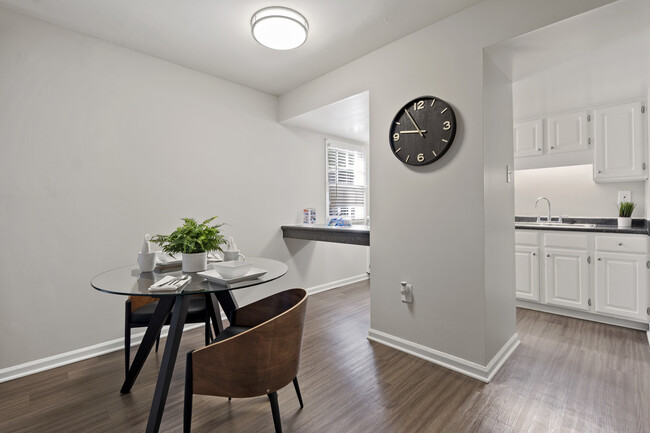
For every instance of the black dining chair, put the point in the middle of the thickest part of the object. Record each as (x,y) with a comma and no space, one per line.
(138,311)
(256,355)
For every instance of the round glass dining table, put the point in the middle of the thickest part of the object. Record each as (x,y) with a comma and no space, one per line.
(129,281)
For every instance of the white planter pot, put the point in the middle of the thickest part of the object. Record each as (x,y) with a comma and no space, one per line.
(195,262)
(625,221)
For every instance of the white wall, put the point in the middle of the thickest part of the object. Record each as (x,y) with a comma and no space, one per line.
(572,192)
(429,223)
(101,145)
(498,196)
(618,71)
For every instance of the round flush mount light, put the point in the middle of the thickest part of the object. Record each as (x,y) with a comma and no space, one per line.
(279,28)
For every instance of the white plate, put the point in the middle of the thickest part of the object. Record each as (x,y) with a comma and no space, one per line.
(215,277)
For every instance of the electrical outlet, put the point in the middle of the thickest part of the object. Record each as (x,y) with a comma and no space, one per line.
(406,291)
(624,196)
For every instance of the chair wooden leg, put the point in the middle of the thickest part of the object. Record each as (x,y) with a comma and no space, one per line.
(295,385)
(127,349)
(127,339)
(187,409)
(275,409)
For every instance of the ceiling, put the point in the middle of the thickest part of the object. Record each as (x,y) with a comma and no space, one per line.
(347,118)
(533,52)
(214,36)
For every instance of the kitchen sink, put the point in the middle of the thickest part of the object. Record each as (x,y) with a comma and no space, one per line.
(555,224)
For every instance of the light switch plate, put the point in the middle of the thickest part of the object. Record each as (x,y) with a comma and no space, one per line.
(624,196)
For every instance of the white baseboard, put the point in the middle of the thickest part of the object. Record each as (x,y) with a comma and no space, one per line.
(335,284)
(584,315)
(468,368)
(32,367)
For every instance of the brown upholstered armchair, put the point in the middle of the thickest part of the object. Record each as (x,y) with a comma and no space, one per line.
(256,355)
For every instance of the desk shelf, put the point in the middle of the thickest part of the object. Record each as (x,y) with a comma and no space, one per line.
(354,235)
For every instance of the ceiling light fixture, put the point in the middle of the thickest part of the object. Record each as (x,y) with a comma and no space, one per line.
(279,28)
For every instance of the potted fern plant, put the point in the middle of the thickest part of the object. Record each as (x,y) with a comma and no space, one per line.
(625,209)
(193,240)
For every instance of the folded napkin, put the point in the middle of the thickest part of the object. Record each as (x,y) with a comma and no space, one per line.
(167,260)
(170,283)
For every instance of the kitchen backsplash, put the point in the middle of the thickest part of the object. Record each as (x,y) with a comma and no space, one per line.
(572,192)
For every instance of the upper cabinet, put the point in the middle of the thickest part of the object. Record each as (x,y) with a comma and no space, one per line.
(554,141)
(619,143)
(568,132)
(528,138)
(612,138)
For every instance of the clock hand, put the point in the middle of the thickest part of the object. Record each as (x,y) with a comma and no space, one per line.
(419,131)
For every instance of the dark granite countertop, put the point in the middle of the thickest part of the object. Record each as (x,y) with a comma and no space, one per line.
(602,225)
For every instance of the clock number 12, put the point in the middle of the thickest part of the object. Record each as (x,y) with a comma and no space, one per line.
(418,105)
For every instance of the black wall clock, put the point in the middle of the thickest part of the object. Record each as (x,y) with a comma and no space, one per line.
(422,131)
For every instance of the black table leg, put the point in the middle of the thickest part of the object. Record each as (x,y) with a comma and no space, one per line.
(158,319)
(212,308)
(181,305)
(227,302)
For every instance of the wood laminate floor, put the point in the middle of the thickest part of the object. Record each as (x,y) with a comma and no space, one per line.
(567,375)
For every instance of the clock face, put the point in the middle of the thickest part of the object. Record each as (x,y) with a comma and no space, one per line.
(422,131)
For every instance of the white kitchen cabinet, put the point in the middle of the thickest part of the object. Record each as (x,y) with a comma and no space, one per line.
(527,272)
(528,138)
(567,278)
(568,132)
(596,276)
(619,143)
(621,287)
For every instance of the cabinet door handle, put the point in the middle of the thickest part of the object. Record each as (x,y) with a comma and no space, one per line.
(620,244)
(589,302)
(552,147)
(534,254)
(548,255)
(599,171)
(599,259)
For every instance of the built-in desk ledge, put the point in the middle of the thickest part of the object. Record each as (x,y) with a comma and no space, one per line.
(356,235)
(602,225)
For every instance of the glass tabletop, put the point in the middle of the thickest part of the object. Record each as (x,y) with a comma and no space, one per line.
(128,280)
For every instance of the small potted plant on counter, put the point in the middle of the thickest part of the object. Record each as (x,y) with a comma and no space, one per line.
(625,209)
(193,240)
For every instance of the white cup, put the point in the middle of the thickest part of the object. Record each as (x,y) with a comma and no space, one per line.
(147,261)
(232,255)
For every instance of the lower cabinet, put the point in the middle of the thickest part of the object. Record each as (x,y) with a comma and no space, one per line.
(596,273)
(621,285)
(527,272)
(567,278)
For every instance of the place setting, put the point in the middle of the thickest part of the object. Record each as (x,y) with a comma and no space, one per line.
(233,269)
(224,267)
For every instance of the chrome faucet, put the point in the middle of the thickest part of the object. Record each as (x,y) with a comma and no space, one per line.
(548,218)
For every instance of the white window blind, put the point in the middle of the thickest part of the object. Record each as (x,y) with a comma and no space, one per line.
(346,183)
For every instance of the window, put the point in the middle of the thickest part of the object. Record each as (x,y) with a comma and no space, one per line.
(346,181)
